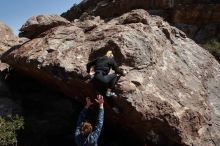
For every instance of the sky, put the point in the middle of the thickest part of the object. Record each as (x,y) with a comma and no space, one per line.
(14,13)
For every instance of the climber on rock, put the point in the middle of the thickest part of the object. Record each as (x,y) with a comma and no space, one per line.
(102,66)
(84,134)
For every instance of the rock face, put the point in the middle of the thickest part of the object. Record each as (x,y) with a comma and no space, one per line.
(170,95)
(8,40)
(38,24)
(191,16)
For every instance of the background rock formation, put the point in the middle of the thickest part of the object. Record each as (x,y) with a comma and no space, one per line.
(199,19)
(170,95)
(38,24)
(8,40)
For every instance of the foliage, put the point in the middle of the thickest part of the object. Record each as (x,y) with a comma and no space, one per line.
(213,46)
(8,127)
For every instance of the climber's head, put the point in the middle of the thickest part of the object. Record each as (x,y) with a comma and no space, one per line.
(109,54)
(86,129)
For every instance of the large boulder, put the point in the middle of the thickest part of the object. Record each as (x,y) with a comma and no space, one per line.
(170,95)
(38,24)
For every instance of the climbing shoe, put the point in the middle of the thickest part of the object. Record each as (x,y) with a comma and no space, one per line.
(110,94)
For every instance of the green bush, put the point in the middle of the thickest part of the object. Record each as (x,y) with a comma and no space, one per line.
(213,46)
(8,127)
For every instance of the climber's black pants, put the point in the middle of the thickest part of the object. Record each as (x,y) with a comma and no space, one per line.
(107,81)
(102,82)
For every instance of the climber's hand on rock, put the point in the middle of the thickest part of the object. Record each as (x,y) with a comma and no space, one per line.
(89,75)
(124,72)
